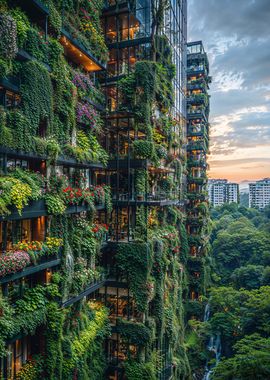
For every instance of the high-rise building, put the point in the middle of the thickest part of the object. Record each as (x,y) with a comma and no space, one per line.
(259,193)
(198,80)
(93,242)
(221,191)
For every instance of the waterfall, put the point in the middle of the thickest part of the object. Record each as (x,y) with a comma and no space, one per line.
(213,346)
(69,268)
(206,313)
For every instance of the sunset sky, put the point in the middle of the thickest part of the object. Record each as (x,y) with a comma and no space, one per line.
(236,36)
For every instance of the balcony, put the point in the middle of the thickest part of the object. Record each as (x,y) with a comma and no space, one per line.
(198,84)
(197,131)
(198,99)
(197,70)
(197,163)
(11,84)
(35,8)
(197,113)
(38,208)
(199,195)
(197,145)
(79,54)
(62,160)
(25,265)
(200,180)
(125,163)
(157,199)
(196,220)
(91,288)
(23,55)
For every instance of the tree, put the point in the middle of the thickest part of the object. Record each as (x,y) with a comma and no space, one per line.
(248,277)
(251,360)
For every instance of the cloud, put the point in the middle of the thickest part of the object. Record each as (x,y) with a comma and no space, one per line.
(236,36)
(240,161)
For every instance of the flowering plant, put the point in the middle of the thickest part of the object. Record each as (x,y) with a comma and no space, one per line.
(86,87)
(98,193)
(86,114)
(31,370)
(53,242)
(29,246)
(82,82)
(100,230)
(37,249)
(8,36)
(82,274)
(73,196)
(14,192)
(13,262)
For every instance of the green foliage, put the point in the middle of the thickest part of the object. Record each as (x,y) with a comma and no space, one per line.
(143,149)
(140,371)
(55,204)
(248,277)
(134,333)
(133,261)
(250,361)
(5,68)
(83,350)
(36,103)
(237,244)
(7,325)
(34,180)
(141,181)
(54,16)
(53,350)
(8,36)
(13,192)
(22,24)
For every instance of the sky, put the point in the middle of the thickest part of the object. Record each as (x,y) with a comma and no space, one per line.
(236,36)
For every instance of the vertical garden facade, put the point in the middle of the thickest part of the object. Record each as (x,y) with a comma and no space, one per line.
(198,80)
(93,174)
(53,194)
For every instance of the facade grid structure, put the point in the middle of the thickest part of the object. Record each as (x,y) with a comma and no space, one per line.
(221,191)
(93,141)
(259,193)
(198,81)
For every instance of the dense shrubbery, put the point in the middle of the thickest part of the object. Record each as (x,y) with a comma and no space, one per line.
(239,299)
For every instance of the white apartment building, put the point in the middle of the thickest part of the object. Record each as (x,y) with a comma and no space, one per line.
(259,193)
(221,191)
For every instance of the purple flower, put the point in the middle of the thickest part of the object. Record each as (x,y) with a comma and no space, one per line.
(86,114)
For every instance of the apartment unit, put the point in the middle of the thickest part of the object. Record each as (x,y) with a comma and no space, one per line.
(259,193)
(221,191)
(92,155)
(198,81)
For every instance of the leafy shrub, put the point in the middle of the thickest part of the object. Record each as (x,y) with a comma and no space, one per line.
(143,149)
(55,204)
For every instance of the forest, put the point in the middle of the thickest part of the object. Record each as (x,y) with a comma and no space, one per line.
(233,341)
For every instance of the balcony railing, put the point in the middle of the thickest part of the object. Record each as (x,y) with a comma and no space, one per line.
(201,180)
(197,113)
(97,283)
(200,69)
(197,145)
(198,84)
(25,264)
(198,99)
(197,163)
(38,208)
(155,198)
(199,195)
(78,50)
